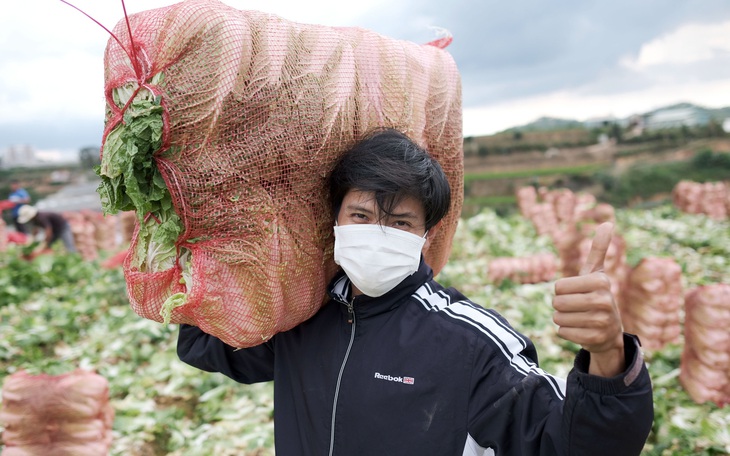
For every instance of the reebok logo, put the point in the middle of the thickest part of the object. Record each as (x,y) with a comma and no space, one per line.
(390,378)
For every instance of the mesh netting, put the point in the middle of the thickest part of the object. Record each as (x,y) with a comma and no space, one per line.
(65,415)
(257,110)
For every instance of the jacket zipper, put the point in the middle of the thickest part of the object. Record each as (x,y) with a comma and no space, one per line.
(351,319)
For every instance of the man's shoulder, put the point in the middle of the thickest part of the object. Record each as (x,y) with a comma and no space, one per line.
(486,328)
(436,297)
(456,308)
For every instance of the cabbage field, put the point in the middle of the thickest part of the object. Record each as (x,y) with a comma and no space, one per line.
(59,313)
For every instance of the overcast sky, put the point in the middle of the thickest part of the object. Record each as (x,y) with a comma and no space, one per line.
(518,60)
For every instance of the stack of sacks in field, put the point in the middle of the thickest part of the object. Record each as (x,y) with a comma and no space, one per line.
(83,233)
(716,200)
(576,216)
(64,415)
(526,200)
(124,230)
(687,196)
(3,236)
(578,211)
(558,213)
(586,215)
(709,198)
(533,269)
(533,207)
(705,361)
(544,219)
(127,220)
(570,220)
(105,230)
(565,204)
(595,213)
(652,301)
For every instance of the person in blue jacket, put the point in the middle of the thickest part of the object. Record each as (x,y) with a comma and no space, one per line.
(18,196)
(396,364)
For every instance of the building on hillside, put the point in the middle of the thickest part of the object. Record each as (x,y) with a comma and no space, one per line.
(635,127)
(726,125)
(674,117)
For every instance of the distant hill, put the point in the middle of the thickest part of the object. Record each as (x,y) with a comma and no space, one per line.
(547,124)
(553,124)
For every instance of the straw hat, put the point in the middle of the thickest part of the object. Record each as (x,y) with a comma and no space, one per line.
(26,213)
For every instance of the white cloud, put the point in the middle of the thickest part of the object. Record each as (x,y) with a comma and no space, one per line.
(688,44)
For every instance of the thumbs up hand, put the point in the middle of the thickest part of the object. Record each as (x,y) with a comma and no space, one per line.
(586,312)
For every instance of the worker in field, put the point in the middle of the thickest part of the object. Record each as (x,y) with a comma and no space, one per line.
(54,226)
(396,364)
(18,196)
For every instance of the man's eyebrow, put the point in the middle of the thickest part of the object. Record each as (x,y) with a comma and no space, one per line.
(409,215)
(359,208)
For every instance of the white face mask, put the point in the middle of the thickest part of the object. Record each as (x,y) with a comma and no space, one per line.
(376,258)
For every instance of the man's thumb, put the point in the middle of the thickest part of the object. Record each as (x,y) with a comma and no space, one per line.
(599,247)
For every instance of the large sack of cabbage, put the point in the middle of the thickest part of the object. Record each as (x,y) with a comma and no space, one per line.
(652,302)
(709,198)
(62,415)
(537,268)
(705,361)
(222,127)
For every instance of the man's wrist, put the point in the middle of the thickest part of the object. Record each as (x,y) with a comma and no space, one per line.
(608,363)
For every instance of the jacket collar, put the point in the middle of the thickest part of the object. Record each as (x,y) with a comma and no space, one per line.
(365,306)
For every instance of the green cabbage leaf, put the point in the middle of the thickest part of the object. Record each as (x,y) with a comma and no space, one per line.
(131,180)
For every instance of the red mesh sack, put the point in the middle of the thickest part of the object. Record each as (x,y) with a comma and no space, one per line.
(709,198)
(705,360)
(67,414)
(256,111)
(3,236)
(84,234)
(537,268)
(652,300)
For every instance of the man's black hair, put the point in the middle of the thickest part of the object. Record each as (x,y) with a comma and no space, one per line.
(392,166)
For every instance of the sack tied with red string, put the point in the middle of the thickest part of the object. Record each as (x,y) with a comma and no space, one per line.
(221,129)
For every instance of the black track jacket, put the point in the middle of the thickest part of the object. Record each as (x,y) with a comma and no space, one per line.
(422,370)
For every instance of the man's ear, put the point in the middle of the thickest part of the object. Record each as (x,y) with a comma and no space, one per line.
(431,235)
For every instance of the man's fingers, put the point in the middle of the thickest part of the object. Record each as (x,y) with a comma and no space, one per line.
(581,302)
(599,247)
(582,284)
